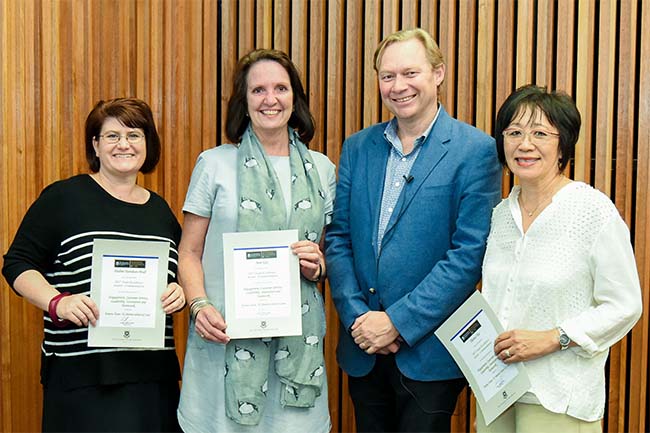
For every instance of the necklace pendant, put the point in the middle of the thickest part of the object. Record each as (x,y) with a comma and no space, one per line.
(530,214)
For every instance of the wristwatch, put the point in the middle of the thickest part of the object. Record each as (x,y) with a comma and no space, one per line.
(564,339)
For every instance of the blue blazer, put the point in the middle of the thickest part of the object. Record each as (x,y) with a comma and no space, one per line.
(433,246)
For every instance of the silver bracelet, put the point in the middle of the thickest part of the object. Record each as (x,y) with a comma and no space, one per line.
(197,305)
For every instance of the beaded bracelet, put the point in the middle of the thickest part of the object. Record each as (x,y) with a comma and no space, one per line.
(51,309)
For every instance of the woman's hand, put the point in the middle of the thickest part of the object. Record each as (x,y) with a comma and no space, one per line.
(78,309)
(524,345)
(311,259)
(173,299)
(209,324)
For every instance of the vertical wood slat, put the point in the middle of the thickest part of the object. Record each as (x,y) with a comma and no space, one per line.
(545,64)
(605,107)
(180,57)
(245,30)
(353,67)
(333,94)
(409,18)
(504,71)
(228,58)
(316,74)
(624,139)
(626,92)
(485,65)
(429,17)
(7,379)
(167,82)
(5,304)
(299,30)
(372,37)
(524,43)
(566,37)
(606,61)
(466,86)
(390,23)
(583,88)
(32,154)
(263,33)
(447,43)
(281,22)
(637,418)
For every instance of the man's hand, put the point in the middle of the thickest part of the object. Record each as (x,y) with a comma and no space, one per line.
(374,332)
(391,348)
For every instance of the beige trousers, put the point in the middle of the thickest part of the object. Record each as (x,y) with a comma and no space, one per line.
(533,418)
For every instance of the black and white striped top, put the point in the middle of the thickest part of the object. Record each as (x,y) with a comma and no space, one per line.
(56,238)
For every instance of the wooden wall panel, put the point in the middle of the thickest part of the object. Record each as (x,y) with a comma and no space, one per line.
(623,139)
(605,95)
(299,29)
(545,49)
(60,56)
(370,88)
(447,34)
(485,65)
(465,79)
(584,88)
(526,19)
(637,418)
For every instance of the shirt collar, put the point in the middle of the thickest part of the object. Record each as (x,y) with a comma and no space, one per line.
(390,133)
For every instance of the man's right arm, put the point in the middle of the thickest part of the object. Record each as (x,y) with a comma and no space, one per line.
(350,302)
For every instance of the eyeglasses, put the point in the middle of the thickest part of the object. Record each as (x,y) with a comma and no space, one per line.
(133,137)
(535,136)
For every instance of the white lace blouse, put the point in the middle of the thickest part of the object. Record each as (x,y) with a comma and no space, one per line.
(573,268)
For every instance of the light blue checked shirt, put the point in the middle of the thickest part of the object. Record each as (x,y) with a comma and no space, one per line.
(398,169)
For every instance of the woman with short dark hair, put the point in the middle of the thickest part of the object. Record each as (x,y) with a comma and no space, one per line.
(49,264)
(559,270)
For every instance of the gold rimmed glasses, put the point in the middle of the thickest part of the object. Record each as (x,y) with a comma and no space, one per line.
(535,136)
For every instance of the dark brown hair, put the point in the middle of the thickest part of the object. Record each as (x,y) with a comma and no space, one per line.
(132,113)
(237,116)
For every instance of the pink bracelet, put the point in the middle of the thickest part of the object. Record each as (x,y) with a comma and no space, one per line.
(51,308)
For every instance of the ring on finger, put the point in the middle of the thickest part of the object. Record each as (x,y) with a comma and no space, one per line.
(507,352)
(202,335)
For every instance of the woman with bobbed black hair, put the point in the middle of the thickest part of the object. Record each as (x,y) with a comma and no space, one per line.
(558,270)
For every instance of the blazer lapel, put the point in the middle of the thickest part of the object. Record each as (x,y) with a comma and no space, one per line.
(432,152)
(376,172)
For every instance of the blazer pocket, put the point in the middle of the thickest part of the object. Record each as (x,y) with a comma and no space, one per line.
(437,190)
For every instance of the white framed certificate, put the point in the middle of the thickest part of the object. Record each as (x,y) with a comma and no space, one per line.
(262,284)
(127,281)
(469,336)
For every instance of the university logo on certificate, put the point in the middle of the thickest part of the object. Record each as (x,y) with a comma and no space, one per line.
(127,281)
(262,284)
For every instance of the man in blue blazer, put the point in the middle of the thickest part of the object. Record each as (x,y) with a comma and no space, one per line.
(405,246)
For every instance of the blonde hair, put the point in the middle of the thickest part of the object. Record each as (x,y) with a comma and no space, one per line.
(433,53)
